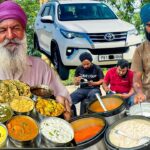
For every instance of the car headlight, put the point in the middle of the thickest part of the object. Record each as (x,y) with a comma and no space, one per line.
(133,32)
(71,35)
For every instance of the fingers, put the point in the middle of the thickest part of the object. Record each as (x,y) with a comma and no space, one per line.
(139,98)
(67,115)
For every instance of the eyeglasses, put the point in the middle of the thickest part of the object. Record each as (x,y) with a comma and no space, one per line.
(148,25)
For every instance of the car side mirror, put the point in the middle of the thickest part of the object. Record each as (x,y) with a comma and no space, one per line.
(47,19)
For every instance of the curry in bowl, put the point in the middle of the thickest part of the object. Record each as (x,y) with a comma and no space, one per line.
(3,135)
(42,91)
(111,103)
(87,128)
(5,113)
(49,107)
(22,128)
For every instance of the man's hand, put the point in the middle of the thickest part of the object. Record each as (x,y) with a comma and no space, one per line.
(77,80)
(124,96)
(67,108)
(140,97)
(67,115)
(91,83)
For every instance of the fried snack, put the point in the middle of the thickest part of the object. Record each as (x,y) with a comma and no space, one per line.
(13,88)
(49,107)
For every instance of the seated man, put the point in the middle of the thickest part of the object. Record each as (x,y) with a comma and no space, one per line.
(119,80)
(89,76)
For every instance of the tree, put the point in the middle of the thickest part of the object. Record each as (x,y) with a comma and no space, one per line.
(129,10)
(31,7)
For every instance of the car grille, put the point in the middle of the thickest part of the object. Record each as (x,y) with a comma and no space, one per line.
(108,37)
(118,50)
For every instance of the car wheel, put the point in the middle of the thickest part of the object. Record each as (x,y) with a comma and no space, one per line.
(56,60)
(36,42)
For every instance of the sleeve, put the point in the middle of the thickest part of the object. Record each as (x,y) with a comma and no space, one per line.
(131,78)
(100,73)
(137,59)
(51,78)
(107,77)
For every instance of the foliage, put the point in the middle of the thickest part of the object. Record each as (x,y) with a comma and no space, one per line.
(128,10)
(71,78)
(31,8)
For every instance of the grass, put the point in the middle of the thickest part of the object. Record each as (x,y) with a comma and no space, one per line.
(70,79)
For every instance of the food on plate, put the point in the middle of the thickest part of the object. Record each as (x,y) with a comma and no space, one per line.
(134,128)
(13,88)
(22,104)
(3,135)
(5,113)
(22,128)
(56,130)
(110,103)
(49,107)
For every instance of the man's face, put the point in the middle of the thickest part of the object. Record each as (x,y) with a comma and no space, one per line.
(11,30)
(13,48)
(86,64)
(122,72)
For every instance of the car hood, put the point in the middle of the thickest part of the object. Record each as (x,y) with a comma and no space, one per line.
(95,26)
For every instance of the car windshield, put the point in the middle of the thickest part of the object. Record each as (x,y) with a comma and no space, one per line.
(92,11)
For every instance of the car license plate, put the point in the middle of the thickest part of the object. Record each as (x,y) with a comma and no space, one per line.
(110,57)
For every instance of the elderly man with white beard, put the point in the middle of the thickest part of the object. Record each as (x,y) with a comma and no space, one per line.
(14,62)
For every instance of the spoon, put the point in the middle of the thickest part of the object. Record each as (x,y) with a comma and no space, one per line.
(141,108)
(141,141)
(100,101)
(34,98)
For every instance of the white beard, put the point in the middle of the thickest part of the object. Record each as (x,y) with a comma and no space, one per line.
(13,59)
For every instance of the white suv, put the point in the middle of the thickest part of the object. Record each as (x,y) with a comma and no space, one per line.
(65,29)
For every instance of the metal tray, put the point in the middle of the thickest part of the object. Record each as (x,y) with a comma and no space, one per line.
(39,143)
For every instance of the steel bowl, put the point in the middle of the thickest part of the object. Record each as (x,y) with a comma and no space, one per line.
(19,102)
(56,132)
(5,112)
(42,91)
(111,115)
(52,113)
(4,135)
(142,109)
(23,143)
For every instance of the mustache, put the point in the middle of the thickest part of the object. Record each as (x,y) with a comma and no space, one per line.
(14,41)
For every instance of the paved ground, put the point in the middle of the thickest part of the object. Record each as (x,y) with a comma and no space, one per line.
(71,88)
